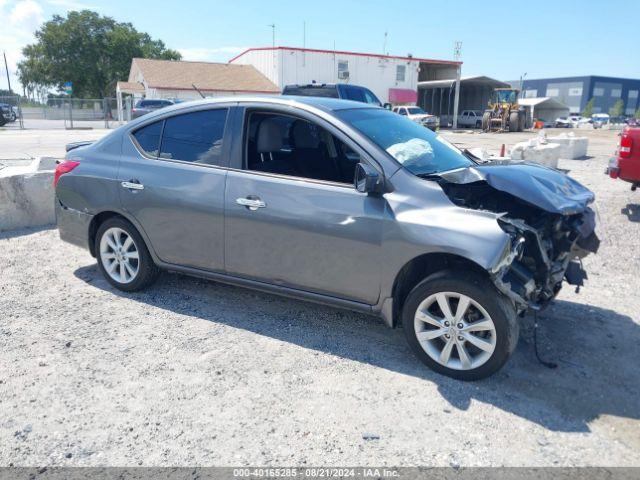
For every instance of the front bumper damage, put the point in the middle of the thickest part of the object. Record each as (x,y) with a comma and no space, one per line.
(547,217)
(531,270)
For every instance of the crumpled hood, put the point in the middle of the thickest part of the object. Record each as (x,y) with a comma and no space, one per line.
(544,187)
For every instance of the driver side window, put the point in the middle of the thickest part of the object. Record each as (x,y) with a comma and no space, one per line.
(292,146)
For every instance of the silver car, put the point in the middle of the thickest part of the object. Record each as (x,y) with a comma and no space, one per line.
(335,202)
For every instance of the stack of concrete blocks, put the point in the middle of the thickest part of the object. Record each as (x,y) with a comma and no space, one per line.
(572,147)
(537,150)
(26,194)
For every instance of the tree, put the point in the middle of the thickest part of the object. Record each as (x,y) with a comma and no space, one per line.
(617,109)
(89,50)
(637,113)
(588,109)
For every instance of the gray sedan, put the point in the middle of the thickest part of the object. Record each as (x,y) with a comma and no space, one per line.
(335,202)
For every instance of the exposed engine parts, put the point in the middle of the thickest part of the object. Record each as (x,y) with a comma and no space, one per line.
(546,246)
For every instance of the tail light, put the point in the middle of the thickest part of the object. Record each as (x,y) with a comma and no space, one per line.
(626,143)
(62,168)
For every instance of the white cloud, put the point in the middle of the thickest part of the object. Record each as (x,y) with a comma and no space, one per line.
(27,15)
(19,20)
(72,5)
(219,54)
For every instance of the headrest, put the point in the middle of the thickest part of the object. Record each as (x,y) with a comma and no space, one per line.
(304,136)
(270,135)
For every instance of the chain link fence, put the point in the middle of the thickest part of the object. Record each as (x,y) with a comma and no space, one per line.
(11,112)
(63,113)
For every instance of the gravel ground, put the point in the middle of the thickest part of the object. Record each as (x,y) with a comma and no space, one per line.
(192,372)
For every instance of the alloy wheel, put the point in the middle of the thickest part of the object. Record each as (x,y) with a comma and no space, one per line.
(455,330)
(119,255)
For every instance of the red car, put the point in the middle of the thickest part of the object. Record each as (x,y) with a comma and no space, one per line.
(626,164)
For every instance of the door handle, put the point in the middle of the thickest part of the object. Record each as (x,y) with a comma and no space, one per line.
(132,185)
(251,203)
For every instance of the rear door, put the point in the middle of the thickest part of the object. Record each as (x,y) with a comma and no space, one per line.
(172,178)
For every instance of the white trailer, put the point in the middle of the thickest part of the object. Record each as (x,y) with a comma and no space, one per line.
(393,79)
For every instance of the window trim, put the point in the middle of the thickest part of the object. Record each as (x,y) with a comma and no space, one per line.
(341,136)
(404,72)
(226,135)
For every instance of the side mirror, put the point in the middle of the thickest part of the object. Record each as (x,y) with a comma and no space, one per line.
(387,106)
(367,179)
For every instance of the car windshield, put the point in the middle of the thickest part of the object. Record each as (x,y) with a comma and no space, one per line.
(416,111)
(415,147)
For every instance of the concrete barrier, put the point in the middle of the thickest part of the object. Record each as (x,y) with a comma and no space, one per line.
(545,154)
(26,195)
(572,147)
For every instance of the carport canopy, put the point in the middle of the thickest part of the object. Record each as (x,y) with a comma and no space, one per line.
(436,96)
(544,108)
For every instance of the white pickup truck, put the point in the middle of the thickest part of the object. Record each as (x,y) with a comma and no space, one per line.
(418,115)
(470,119)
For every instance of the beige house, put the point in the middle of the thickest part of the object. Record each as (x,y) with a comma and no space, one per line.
(181,80)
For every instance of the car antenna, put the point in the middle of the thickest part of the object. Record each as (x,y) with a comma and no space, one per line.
(197,90)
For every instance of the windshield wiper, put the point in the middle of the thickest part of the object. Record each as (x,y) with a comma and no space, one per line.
(428,175)
(471,156)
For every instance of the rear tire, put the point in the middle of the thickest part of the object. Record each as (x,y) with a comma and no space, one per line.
(514,122)
(123,257)
(484,333)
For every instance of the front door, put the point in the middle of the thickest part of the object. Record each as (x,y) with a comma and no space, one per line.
(172,184)
(293,216)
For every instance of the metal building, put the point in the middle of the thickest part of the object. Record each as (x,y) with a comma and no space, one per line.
(575,92)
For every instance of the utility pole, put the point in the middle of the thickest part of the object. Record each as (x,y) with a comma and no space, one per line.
(7,70)
(457,52)
(384,44)
(273,34)
(304,43)
(522,77)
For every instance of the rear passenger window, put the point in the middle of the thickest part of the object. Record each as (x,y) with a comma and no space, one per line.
(194,137)
(354,94)
(149,138)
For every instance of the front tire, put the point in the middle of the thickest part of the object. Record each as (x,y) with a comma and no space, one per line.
(459,325)
(123,257)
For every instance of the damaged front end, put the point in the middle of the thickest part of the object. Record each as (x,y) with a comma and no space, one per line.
(547,216)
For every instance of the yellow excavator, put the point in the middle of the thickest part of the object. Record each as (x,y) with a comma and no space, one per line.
(504,114)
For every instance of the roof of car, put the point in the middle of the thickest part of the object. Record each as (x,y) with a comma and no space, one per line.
(320,103)
(311,85)
(323,103)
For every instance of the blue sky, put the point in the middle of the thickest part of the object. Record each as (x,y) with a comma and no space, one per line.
(542,38)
